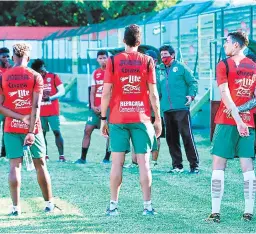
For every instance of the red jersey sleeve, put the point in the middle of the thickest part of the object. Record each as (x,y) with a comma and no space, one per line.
(221,73)
(108,77)
(39,84)
(152,72)
(1,90)
(57,80)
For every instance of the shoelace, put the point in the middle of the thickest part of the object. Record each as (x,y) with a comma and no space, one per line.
(55,206)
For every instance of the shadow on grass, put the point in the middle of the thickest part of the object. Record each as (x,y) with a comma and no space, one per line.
(48,224)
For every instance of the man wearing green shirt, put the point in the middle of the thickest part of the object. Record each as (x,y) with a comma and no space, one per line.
(178,89)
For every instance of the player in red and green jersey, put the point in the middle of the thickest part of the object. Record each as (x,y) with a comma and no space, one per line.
(20,99)
(129,88)
(4,66)
(93,121)
(234,134)
(50,107)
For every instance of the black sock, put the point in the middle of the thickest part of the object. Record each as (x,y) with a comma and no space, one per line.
(3,152)
(84,153)
(107,155)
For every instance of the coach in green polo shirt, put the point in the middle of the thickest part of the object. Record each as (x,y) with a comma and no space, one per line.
(178,89)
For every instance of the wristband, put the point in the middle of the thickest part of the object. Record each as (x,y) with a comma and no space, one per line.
(31,133)
(103,118)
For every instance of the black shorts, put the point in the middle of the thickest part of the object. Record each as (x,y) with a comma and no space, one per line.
(163,126)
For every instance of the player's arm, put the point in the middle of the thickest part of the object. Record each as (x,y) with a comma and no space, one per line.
(60,93)
(229,103)
(36,103)
(192,85)
(154,98)
(92,96)
(105,99)
(106,96)
(247,106)
(92,92)
(9,113)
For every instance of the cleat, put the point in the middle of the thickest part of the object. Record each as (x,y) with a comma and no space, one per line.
(247,217)
(105,161)
(113,212)
(131,165)
(194,170)
(49,209)
(176,170)
(149,212)
(15,212)
(80,161)
(62,159)
(153,164)
(215,217)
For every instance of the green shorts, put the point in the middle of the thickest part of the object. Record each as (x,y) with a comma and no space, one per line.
(53,121)
(14,145)
(227,143)
(93,119)
(2,117)
(141,134)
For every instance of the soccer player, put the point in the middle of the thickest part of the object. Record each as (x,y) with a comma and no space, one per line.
(129,88)
(50,110)
(157,143)
(20,99)
(93,121)
(4,59)
(4,66)
(234,135)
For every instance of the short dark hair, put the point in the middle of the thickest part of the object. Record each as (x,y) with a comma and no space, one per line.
(132,35)
(37,64)
(168,48)
(239,37)
(102,52)
(4,50)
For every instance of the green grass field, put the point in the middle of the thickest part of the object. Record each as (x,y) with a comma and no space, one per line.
(82,191)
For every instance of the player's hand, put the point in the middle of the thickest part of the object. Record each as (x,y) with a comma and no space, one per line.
(96,109)
(104,128)
(190,99)
(46,98)
(228,112)
(243,129)
(29,139)
(158,127)
(26,119)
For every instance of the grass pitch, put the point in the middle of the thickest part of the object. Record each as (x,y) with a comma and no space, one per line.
(82,191)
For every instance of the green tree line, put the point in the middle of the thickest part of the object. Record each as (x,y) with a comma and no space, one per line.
(73,13)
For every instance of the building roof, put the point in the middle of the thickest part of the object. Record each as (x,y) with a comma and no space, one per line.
(28,33)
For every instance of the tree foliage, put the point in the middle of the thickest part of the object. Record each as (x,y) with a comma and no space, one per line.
(72,13)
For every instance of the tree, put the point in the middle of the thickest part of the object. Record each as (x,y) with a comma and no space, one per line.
(72,13)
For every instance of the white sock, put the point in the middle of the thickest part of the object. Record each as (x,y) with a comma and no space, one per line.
(249,191)
(16,208)
(113,204)
(49,204)
(148,205)
(217,189)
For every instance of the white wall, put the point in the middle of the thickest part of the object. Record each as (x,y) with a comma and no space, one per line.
(36,46)
(82,85)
